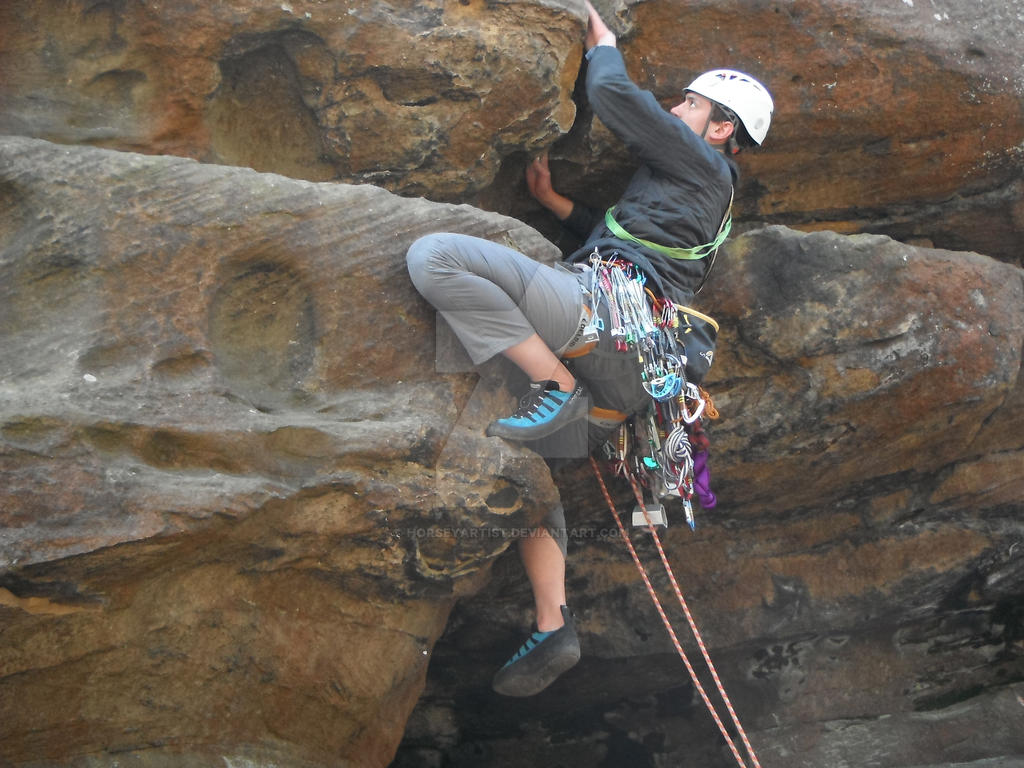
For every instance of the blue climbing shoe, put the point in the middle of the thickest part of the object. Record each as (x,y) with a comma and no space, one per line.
(541,659)
(543,410)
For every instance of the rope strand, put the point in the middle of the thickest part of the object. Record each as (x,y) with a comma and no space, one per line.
(668,624)
(696,632)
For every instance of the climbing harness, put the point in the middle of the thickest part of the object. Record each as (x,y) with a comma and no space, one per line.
(664,449)
(690,620)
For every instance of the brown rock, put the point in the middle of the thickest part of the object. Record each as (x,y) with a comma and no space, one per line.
(231,473)
(421,97)
(904,120)
(909,351)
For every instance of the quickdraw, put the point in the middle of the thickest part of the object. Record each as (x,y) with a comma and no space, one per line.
(666,454)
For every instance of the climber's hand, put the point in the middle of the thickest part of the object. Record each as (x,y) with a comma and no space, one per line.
(538,178)
(597,31)
(538,181)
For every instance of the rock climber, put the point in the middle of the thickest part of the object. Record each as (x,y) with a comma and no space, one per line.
(498,301)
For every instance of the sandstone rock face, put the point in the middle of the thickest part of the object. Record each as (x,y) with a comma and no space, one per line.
(243,488)
(417,96)
(220,419)
(902,118)
(245,500)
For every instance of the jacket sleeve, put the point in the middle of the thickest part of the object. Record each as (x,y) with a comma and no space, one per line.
(655,136)
(582,220)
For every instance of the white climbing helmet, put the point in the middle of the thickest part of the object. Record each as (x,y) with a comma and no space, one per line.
(742,94)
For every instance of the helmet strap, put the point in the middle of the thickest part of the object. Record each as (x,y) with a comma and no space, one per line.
(704,133)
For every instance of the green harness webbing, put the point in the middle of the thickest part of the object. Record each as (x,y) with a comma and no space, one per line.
(690,254)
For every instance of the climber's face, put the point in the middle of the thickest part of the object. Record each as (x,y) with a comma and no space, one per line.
(695,111)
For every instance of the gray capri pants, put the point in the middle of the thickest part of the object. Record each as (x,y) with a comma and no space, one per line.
(494,297)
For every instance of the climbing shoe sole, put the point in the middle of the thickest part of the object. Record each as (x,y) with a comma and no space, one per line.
(534,671)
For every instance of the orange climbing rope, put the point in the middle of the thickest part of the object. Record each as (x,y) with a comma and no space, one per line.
(689,618)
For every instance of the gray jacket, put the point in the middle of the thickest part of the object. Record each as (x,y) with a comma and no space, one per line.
(677,197)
